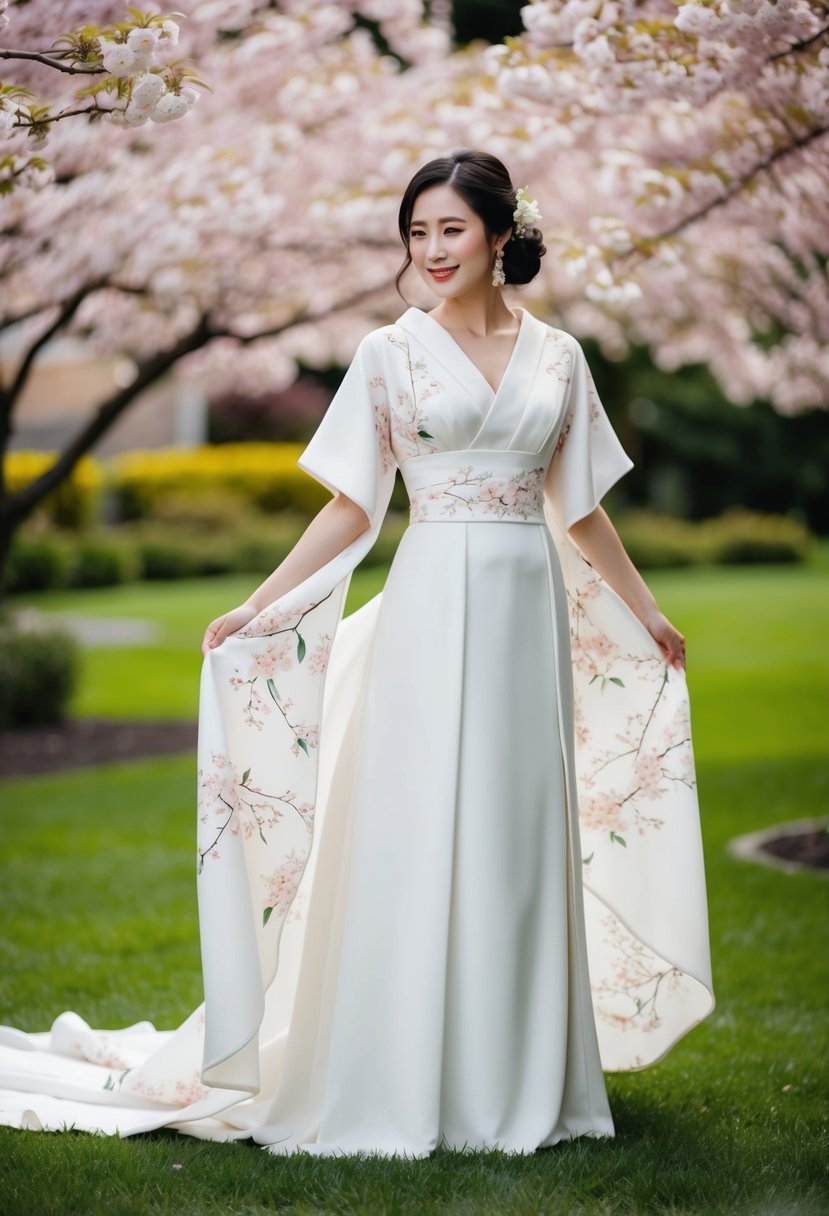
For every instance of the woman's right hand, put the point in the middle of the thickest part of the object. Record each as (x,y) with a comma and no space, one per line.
(223,626)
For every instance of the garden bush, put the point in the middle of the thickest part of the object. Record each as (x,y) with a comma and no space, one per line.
(741,536)
(658,541)
(101,561)
(36,563)
(655,541)
(265,475)
(74,503)
(38,675)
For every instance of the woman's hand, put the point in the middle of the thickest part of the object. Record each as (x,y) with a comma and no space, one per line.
(223,626)
(670,640)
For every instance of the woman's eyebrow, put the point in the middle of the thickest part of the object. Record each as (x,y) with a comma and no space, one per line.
(457,219)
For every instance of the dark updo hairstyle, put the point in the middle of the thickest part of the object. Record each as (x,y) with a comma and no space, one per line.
(484,184)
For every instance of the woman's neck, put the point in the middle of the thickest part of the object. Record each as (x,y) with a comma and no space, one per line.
(482,314)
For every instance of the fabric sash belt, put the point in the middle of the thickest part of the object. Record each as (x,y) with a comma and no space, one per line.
(475,485)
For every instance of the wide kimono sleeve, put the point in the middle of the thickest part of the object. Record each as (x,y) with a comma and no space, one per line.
(350,452)
(260,720)
(640,842)
(588,458)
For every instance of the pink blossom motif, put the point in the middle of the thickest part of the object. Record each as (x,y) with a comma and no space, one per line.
(601,811)
(629,998)
(305,737)
(217,806)
(281,887)
(411,433)
(560,366)
(279,656)
(649,775)
(563,433)
(517,497)
(317,660)
(182,1092)
(382,427)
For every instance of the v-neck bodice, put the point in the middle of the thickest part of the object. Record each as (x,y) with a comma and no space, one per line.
(446,403)
(468,358)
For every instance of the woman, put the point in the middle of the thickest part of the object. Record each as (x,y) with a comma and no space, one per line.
(396,913)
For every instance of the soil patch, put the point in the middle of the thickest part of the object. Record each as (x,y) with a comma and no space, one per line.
(807,848)
(803,844)
(89,741)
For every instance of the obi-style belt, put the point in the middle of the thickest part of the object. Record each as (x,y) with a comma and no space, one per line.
(475,485)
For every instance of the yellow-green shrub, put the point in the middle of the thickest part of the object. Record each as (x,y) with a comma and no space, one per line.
(741,536)
(265,474)
(74,503)
(738,536)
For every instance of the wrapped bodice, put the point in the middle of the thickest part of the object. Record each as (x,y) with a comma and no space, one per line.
(475,484)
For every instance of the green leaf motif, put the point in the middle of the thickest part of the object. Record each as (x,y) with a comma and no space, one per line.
(595,677)
(272,690)
(262,834)
(618,839)
(109,1083)
(304,746)
(425,435)
(245,776)
(616,680)
(300,648)
(266,916)
(585,861)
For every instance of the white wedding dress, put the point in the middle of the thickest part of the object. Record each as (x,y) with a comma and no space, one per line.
(449,859)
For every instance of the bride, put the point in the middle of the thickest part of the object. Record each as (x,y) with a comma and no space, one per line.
(449,866)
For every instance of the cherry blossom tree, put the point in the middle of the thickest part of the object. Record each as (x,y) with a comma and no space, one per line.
(135,87)
(216,243)
(677,152)
(692,183)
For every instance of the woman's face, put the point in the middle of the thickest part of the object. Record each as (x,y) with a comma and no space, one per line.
(448,243)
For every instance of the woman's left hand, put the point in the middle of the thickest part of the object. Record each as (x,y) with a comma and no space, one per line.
(670,640)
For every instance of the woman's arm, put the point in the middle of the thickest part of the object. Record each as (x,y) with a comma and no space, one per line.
(599,542)
(339,523)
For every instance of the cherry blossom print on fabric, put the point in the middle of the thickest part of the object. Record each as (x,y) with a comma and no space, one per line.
(623,781)
(410,433)
(467,494)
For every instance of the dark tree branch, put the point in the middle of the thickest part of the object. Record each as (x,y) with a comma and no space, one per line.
(16,508)
(96,109)
(73,69)
(21,504)
(738,186)
(796,47)
(66,312)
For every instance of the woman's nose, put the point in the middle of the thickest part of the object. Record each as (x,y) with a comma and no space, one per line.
(435,249)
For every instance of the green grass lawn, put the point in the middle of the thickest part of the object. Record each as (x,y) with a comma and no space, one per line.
(99,916)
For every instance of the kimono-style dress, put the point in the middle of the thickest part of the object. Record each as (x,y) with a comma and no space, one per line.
(449,862)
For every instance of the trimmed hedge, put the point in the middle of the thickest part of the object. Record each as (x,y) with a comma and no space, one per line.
(741,536)
(659,541)
(265,475)
(38,675)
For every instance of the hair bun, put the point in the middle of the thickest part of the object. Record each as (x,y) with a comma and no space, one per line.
(522,256)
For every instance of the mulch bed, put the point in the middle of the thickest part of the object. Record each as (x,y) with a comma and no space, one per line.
(88,741)
(806,848)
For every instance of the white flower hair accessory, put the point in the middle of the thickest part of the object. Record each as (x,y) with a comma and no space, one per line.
(526,214)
